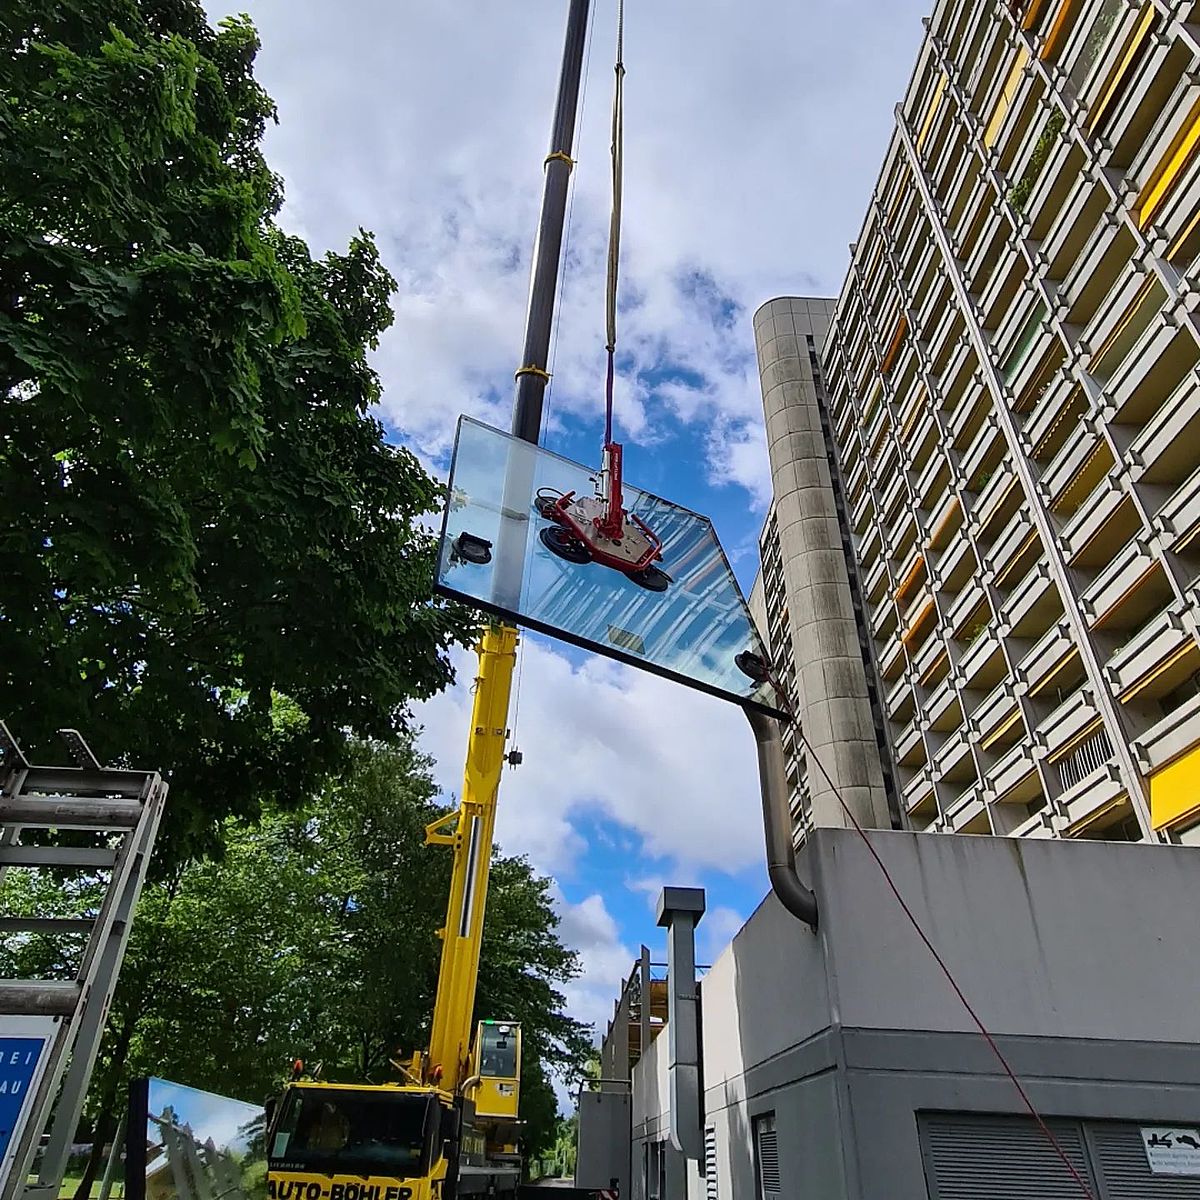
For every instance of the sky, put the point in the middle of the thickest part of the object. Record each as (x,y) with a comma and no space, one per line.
(754,133)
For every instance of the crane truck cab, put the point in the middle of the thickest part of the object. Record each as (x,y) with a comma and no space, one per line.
(338,1141)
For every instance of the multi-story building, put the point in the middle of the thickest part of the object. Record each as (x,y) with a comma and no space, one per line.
(1002,428)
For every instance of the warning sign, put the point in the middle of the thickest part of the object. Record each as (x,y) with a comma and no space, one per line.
(1171,1149)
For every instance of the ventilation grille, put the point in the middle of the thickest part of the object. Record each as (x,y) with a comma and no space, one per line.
(1126,1170)
(767,1144)
(998,1158)
(710,1163)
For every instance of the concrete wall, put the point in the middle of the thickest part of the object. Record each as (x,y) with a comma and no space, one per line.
(1082,958)
(831,680)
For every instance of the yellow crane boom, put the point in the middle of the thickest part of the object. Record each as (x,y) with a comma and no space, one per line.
(470,831)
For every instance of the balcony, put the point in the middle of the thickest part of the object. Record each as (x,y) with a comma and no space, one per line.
(883,620)
(957,565)
(1167,449)
(1047,655)
(1054,191)
(898,695)
(918,795)
(1174,735)
(893,490)
(1179,518)
(1010,778)
(910,747)
(982,659)
(1068,724)
(995,714)
(1131,567)
(993,494)
(875,580)
(988,444)
(1100,263)
(1013,539)
(1155,366)
(968,415)
(1067,465)
(1069,238)
(962,608)
(943,711)
(1091,798)
(1091,518)
(933,483)
(968,812)
(1047,412)
(1031,605)
(1152,651)
(927,655)
(952,755)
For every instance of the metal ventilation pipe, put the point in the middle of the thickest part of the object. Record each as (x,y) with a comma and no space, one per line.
(777,820)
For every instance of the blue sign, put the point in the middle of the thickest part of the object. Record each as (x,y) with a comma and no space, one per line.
(18,1067)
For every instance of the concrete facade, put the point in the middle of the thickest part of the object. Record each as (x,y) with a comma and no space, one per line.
(811,623)
(853,1045)
(1013,391)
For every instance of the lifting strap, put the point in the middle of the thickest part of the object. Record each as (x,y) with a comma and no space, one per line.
(614,226)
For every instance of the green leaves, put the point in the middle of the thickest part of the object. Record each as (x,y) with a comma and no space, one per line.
(197,502)
(315,936)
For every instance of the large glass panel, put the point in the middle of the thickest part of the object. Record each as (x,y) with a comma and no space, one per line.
(686,619)
(199,1144)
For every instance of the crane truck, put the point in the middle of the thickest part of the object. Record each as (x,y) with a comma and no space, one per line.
(450,1126)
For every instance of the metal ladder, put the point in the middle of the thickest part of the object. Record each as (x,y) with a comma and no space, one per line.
(122,808)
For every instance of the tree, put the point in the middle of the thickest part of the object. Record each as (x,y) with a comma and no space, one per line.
(211,562)
(314,936)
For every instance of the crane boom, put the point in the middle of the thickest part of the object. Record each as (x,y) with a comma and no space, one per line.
(473,829)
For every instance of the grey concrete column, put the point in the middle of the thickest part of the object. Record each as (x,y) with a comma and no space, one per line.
(835,712)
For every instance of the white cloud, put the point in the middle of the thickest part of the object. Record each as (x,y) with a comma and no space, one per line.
(752,140)
(672,765)
(715,932)
(605,961)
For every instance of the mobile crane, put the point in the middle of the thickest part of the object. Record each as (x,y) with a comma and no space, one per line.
(451,1127)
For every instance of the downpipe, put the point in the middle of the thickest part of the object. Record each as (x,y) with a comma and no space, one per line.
(777,820)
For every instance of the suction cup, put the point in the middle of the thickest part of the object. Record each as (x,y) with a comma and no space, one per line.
(651,578)
(564,544)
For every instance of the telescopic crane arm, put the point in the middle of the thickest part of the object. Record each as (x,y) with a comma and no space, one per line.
(469,831)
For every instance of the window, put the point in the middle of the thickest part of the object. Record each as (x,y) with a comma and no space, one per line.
(766,1157)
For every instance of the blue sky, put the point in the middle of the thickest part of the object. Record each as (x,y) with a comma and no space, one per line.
(754,133)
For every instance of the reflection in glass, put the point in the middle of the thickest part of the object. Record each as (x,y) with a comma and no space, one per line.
(200,1144)
(501,553)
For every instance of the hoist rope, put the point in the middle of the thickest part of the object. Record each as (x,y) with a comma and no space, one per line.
(614,225)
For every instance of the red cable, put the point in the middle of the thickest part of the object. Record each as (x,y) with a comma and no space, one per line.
(1083,1186)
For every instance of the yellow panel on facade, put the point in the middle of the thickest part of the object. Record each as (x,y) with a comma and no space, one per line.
(934,104)
(889,358)
(1170,169)
(1032,13)
(1060,27)
(1006,98)
(1121,70)
(1175,790)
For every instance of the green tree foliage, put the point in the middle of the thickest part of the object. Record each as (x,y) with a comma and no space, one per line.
(211,561)
(315,936)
